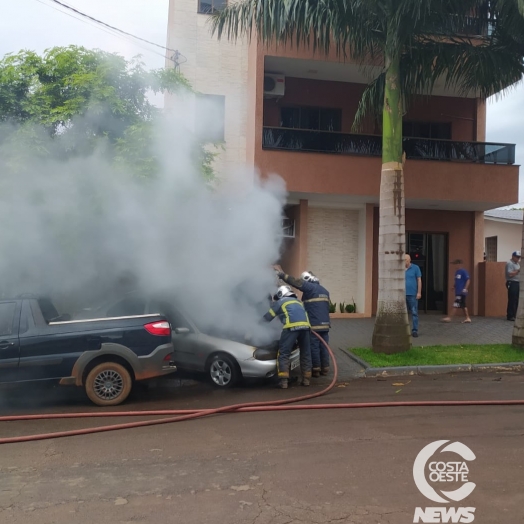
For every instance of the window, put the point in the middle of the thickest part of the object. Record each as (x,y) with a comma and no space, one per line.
(7,313)
(48,309)
(437,130)
(208,7)
(491,249)
(320,118)
(210,117)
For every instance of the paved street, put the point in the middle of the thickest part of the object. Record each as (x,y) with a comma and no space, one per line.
(350,466)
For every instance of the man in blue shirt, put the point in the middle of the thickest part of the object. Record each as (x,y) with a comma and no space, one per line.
(413,292)
(460,288)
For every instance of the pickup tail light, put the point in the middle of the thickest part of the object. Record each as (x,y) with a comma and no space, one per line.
(160,329)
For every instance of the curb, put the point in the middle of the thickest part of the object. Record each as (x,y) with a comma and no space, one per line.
(356,359)
(400,371)
(361,372)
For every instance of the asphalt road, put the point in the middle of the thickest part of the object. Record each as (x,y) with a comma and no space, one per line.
(350,466)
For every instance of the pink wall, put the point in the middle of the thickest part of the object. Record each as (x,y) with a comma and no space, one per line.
(461,112)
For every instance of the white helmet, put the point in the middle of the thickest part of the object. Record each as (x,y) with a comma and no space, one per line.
(307,276)
(283,291)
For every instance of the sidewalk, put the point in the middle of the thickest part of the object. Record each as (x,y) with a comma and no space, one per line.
(354,333)
(432,332)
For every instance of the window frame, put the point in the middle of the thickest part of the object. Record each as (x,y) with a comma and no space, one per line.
(490,247)
(302,108)
(431,126)
(213,9)
(9,323)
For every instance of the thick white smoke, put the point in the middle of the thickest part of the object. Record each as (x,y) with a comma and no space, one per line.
(72,228)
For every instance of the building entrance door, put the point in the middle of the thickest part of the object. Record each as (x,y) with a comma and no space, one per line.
(429,251)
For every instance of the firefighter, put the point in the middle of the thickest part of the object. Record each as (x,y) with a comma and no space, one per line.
(316,302)
(293,316)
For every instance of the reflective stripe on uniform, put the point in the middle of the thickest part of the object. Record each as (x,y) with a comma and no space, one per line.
(320,328)
(319,299)
(289,324)
(281,373)
(272,313)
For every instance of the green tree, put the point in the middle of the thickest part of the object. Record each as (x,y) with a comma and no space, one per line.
(81,98)
(415,43)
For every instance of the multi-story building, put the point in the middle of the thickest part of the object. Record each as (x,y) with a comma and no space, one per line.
(290,111)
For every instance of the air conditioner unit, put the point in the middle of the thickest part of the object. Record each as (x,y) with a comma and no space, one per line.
(288,228)
(274,86)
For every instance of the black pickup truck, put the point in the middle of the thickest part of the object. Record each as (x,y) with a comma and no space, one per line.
(103,355)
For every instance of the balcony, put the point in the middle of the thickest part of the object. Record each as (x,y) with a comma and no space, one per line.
(469,26)
(301,140)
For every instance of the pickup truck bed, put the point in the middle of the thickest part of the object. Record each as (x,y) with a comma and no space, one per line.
(104,355)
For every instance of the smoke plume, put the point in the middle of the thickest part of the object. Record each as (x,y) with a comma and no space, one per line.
(76,229)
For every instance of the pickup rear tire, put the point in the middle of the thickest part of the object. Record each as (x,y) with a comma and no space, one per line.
(108,384)
(223,371)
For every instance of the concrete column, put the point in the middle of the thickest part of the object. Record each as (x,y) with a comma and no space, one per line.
(478,257)
(301,235)
(368,258)
(255,102)
(480,120)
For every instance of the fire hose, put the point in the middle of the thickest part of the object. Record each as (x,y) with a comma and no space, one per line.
(179,415)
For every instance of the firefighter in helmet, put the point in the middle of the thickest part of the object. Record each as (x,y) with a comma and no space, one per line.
(296,328)
(316,302)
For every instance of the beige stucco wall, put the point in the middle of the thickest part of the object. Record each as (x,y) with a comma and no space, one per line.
(333,252)
(509,237)
(214,68)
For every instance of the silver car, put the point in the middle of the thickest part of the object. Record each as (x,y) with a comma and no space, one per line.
(225,362)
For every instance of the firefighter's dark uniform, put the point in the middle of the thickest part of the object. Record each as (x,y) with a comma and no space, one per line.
(316,302)
(296,327)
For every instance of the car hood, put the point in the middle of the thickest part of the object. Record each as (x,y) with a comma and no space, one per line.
(236,349)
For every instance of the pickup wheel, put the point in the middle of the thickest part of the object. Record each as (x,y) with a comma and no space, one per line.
(108,384)
(223,371)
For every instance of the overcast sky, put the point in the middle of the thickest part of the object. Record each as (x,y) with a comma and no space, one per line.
(40,24)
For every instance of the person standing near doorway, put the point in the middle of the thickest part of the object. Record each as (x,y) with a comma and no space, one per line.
(413,292)
(460,287)
(513,285)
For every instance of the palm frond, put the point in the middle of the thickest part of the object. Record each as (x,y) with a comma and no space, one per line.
(371,102)
(352,28)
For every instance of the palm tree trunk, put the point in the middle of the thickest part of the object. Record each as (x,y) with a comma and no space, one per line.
(518,328)
(391,333)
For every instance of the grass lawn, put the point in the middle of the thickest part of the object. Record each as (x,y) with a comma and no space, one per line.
(437,355)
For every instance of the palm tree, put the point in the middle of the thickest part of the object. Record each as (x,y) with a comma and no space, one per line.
(415,43)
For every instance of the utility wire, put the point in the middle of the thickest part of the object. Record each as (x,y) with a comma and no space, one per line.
(176,54)
(110,26)
(108,31)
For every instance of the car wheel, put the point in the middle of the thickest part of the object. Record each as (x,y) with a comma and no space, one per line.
(108,384)
(223,371)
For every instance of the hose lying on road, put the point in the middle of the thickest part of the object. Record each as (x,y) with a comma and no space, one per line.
(184,414)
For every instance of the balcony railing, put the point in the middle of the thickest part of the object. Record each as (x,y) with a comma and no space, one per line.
(371,145)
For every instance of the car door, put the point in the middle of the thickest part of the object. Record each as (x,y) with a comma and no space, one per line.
(48,351)
(9,341)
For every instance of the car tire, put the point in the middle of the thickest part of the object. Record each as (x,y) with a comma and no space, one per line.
(108,384)
(223,371)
